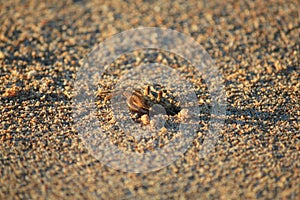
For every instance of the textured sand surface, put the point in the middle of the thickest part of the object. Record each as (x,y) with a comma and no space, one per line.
(255,45)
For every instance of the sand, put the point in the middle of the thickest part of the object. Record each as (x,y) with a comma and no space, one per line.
(256,47)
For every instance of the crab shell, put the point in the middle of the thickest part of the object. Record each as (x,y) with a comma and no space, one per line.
(136,102)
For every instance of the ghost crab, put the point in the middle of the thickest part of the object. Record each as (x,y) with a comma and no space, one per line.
(141,101)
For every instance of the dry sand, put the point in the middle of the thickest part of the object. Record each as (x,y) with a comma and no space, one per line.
(256,47)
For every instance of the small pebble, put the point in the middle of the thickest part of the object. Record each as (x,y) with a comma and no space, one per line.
(31,74)
(145,119)
(2,56)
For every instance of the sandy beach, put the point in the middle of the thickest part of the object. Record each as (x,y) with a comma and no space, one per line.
(255,47)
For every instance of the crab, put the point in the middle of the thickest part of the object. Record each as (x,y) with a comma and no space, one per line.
(140,102)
